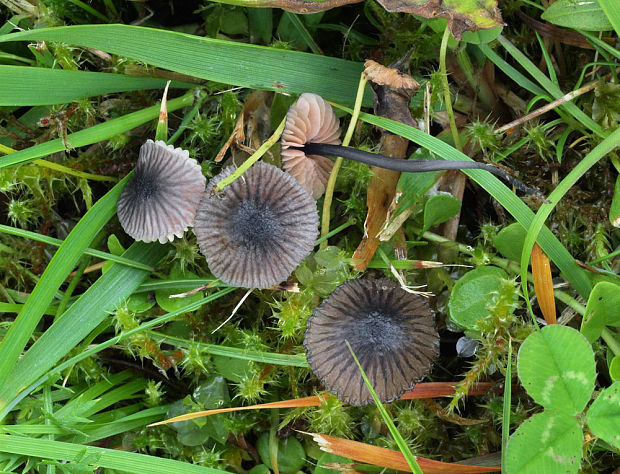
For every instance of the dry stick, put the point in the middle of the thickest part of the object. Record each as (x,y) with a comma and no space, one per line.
(551,105)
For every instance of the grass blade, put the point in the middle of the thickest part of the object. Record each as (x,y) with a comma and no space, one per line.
(550,87)
(22,85)
(400,442)
(104,345)
(94,134)
(612,12)
(97,457)
(537,225)
(58,242)
(506,408)
(59,267)
(228,62)
(80,319)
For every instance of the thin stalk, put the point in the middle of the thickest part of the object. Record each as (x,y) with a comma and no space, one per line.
(58,167)
(410,166)
(611,341)
(446,89)
(331,182)
(337,230)
(252,159)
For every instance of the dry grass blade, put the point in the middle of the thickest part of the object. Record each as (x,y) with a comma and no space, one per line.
(313,401)
(543,284)
(387,458)
(420,391)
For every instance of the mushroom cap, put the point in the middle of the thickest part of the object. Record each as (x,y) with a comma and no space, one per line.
(392,333)
(161,198)
(311,119)
(258,229)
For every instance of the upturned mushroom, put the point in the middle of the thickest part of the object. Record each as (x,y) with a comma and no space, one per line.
(160,200)
(258,229)
(309,136)
(312,119)
(391,331)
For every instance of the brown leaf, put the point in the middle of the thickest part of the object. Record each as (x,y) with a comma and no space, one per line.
(392,103)
(543,284)
(421,390)
(296,6)
(386,76)
(388,458)
(462,15)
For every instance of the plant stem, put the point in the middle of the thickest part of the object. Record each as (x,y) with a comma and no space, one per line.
(252,159)
(611,341)
(331,183)
(337,230)
(446,89)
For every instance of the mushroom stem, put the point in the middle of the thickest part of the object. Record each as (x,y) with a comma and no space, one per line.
(411,166)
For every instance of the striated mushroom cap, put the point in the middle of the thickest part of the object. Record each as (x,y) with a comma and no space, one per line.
(258,229)
(311,119)
(161,198)
(392,333)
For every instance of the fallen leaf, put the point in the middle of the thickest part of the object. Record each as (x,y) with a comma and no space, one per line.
(543,284)
(462,15)
(388,458)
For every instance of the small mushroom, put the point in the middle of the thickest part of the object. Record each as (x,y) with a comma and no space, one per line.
(161,198)
(311,119)
(258,229)
(308,136)
(392,333)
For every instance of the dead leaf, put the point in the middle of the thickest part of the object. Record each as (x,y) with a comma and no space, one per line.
(388,458)
(462,15)
(543,284)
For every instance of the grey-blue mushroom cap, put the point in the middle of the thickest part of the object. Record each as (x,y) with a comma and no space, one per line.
(391,332)
(160,200)
(258,229)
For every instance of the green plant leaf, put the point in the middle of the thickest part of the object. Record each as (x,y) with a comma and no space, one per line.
(291,454)
(614,368)
(81,318)
(462,15)
(603,309)
(97,457)
(603,416)
(548,242)
(612,11)
(556,367)
(94,134)
(227,62)
(547,442)
(21,85)
(471,295)
(328,458)
(614,210)
(57,270)
(440,208)
(172,304)
(579,14)
(509,241)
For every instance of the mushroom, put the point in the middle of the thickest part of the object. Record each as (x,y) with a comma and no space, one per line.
(160,200)
(311,119)
(311,132)
(391,332)
(258,229)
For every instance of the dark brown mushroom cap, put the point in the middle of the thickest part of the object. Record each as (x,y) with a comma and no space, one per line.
(311,119)
(161,198)
(258,229)
(392,333)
